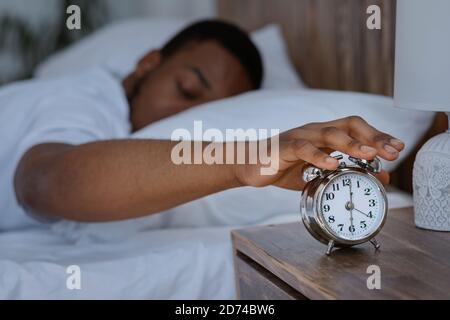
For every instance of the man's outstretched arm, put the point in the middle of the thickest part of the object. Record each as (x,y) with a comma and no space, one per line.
(121,179)
(111,180)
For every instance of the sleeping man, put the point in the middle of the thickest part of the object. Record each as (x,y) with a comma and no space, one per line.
(65,152)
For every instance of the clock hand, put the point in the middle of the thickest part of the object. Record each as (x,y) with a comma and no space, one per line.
(351,193)
(351,221)
(362,213)
(351,207)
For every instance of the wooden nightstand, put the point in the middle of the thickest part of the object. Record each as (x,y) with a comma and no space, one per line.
(285,262)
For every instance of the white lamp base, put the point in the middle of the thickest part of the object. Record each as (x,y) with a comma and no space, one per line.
(431,183)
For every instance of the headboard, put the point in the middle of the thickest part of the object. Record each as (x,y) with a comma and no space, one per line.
(332,48)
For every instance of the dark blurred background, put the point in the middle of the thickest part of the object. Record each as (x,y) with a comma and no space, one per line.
(31,30)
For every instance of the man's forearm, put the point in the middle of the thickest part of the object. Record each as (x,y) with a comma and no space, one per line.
(112,180)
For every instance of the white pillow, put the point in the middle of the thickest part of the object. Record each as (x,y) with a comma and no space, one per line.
(279,71)
(119,46)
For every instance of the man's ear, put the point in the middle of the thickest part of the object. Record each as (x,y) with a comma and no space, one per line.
(146,64)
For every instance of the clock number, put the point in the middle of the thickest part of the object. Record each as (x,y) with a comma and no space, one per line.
(341,226)
(329,196)
(370,214)
(371,203)
(351,228)
(363,224)
(367,191)
(357,184)
(335,186)
(346,182)
(326,208)
(331,219)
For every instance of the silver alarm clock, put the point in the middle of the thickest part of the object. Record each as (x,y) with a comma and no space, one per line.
(344,207)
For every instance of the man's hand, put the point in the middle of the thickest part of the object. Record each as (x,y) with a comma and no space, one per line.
(312,144)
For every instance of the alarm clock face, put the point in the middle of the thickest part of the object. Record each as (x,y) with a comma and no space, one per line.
(353,206)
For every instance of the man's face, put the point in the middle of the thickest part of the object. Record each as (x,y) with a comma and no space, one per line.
(197,73)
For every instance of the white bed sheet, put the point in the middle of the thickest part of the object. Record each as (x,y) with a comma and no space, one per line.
(179,263)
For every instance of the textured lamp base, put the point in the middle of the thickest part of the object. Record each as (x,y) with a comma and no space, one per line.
(431,179)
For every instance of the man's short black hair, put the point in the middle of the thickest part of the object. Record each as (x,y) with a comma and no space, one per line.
(232,38)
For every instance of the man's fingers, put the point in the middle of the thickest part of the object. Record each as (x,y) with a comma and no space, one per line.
(300,149)
(387,146)
(383,176)
(337,139)
(351,135)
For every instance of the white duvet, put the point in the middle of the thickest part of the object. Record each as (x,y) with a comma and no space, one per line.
(135,260)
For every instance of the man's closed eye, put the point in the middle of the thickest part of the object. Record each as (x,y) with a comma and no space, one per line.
(186,93)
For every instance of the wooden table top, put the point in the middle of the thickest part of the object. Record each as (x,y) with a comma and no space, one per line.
(414,263)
